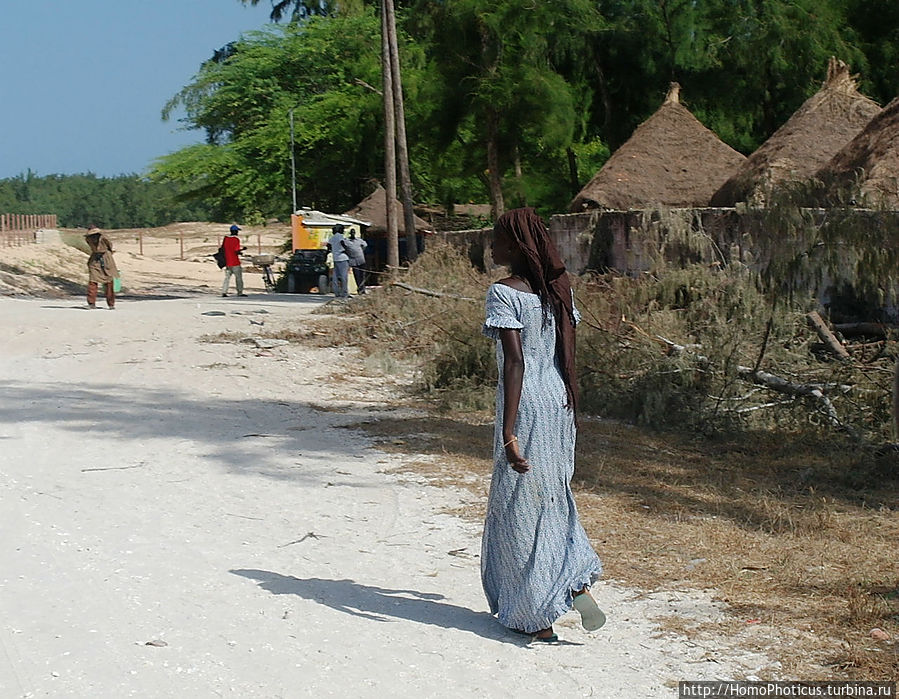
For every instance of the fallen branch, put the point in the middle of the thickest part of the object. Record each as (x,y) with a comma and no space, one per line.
(429,292)
(896,401)
(114,468)
(776,383)
(872,329)
(309,535)
(827,337)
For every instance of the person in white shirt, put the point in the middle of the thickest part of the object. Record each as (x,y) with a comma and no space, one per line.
(355,249)
(341,261)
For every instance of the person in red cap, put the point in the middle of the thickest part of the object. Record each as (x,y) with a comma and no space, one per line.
(232,249)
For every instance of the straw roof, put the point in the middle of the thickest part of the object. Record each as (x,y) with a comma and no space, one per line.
(374,208)
(824,123)
(869,163)
(671,159)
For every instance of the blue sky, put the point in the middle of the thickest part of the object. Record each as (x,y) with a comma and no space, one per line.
(83,82)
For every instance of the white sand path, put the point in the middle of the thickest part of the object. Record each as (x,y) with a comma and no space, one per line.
(157,488)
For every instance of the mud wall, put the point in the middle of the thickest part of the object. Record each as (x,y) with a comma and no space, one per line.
(628,241)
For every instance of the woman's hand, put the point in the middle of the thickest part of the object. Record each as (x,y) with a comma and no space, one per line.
(516,460)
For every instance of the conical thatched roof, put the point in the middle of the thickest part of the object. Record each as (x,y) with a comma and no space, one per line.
(374,208)
(671,159)
(869,163)
(824,123)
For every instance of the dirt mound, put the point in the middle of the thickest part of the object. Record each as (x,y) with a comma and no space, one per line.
(53,270)
(169,259)
(824,123)
(671,159)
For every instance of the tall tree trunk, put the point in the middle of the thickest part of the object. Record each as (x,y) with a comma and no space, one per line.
(572,172)
(402,150)
(606,100)
(519,183)
(497,205)
(494,175)
(393,248)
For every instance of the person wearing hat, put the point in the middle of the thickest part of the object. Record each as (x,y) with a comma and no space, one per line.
(341,261)
(101,267)
(232,249)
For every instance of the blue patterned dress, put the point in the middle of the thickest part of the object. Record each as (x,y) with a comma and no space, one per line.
(535,552)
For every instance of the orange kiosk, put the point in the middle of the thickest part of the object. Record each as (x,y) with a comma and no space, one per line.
(308,268)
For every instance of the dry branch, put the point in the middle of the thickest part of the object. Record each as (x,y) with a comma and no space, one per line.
(429,292)
(776,383)
(827,337)
(896,401)
(872,329)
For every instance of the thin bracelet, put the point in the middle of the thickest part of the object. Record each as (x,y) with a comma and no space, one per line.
(514,439)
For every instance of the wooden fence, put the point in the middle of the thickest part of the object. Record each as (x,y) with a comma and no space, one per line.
(20,229)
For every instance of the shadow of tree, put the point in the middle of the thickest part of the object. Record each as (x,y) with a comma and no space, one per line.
(742,479)
(245,436)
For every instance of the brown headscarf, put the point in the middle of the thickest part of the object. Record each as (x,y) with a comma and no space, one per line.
(548,278)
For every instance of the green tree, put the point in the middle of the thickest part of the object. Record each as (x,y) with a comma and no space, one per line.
(745,65)
(319,69)
(875,24)
(497,82)
(125,201)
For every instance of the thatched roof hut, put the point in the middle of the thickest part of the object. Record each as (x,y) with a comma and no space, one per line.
(824,123)
(671,159)
(869,164)
(374,208)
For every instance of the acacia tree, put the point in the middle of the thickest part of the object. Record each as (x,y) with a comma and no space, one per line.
(242,103)
(746,65)
(298,9)
(521,93)
(396,146)
(499,85)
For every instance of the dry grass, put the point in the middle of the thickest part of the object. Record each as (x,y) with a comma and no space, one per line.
(805,561)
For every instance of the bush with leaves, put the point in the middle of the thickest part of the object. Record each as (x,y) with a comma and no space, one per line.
(680,347)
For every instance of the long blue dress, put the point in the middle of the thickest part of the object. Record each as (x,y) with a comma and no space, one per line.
(534,553)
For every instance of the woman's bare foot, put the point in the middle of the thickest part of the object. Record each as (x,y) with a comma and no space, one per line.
(545,633)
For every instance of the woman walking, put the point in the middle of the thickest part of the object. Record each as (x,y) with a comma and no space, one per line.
(536,560)
(101,267)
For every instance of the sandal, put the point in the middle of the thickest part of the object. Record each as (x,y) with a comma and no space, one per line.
(552,638)
(592,617)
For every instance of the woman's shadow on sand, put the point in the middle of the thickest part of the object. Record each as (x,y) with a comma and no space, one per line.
(382,604)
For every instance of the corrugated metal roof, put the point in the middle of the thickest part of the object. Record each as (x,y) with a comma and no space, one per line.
(311,217)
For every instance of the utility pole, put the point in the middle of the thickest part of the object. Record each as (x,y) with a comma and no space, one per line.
(393,250)
(293,167)
(402,150)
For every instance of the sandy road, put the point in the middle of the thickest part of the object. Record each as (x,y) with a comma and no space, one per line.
(190,495)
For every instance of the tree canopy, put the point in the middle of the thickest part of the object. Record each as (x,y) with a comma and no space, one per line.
(243,100)
(125,201)
(510,98)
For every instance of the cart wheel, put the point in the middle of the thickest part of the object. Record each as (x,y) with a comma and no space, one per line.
(291,283)
(323,284)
